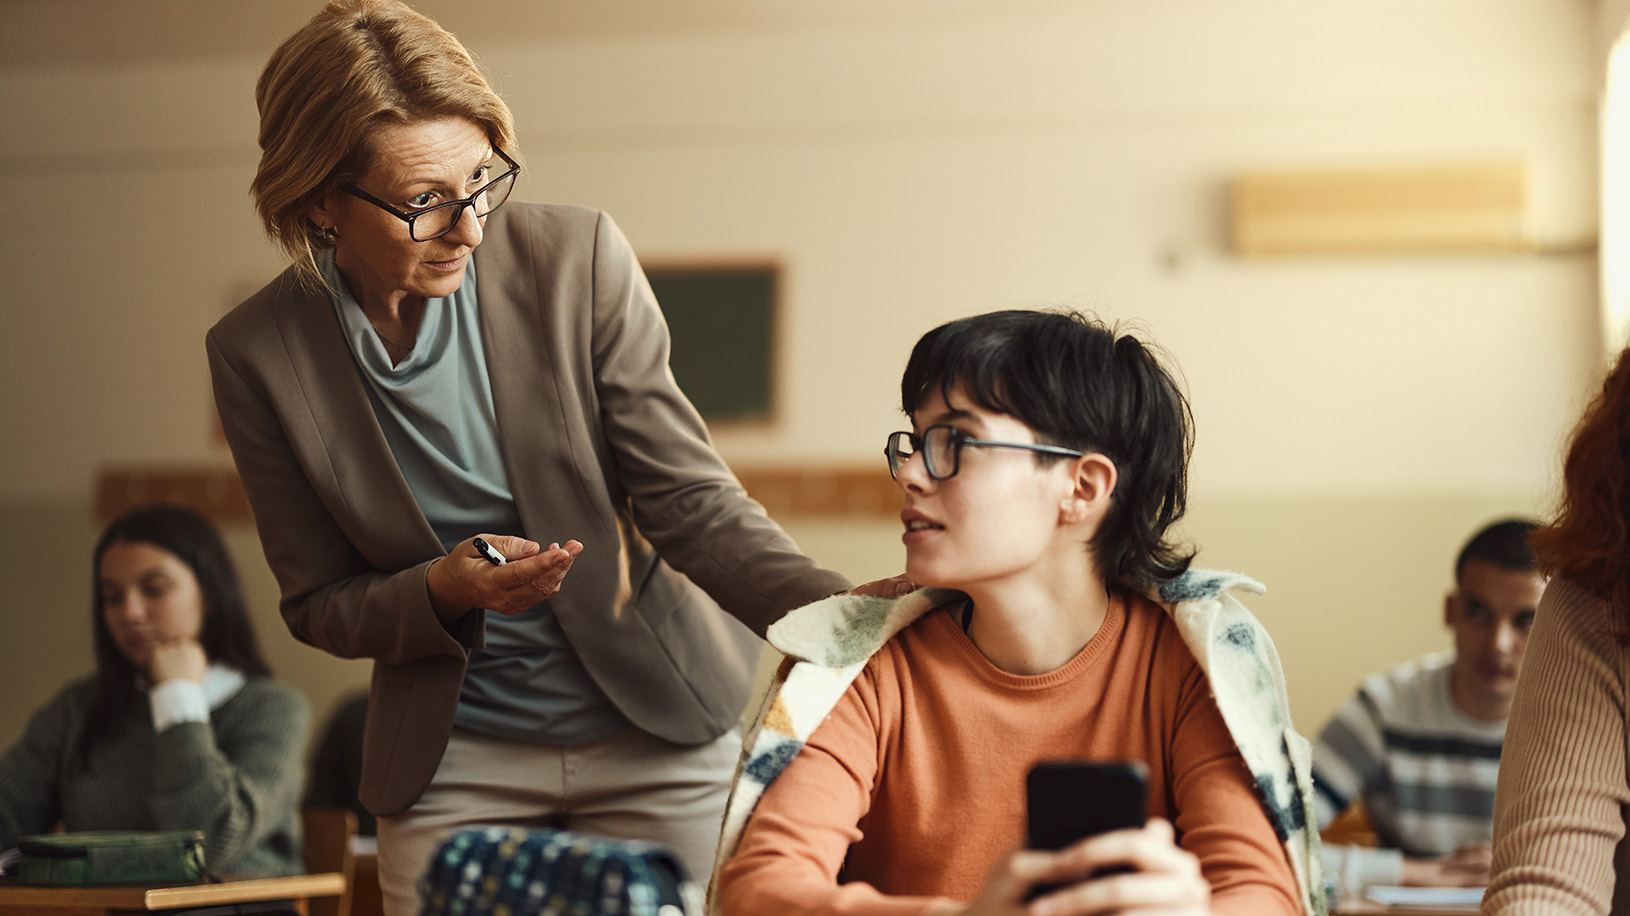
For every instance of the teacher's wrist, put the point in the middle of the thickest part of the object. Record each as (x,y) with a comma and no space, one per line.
(446,611)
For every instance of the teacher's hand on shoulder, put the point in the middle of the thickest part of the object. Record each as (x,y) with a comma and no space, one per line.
(466,578)
(892,587)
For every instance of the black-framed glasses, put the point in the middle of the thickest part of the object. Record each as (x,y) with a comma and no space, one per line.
(941,448)
(435,222)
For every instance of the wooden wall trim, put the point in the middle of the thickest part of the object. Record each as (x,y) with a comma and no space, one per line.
(1470,208)
(215,490)
(824,492)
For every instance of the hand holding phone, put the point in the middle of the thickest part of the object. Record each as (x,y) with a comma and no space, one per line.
(1069,800)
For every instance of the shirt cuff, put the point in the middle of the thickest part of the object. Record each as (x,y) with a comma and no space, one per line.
(176,701)
(1355,868)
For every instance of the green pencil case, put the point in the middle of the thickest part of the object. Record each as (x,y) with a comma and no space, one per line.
(151,857)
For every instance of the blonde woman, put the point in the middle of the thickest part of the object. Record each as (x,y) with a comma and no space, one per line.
(440,364)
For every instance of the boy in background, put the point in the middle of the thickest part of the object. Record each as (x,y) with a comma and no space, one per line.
(1419,745)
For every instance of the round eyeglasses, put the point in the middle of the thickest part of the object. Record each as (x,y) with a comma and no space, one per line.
(435,222)
(941,448)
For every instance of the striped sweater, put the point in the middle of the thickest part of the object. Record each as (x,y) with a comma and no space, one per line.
(1424,770)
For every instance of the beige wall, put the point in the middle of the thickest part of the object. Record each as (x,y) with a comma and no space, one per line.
(1612,18)
(908,161)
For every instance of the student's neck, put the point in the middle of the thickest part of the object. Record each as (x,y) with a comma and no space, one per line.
(1034,630)
(1467,699)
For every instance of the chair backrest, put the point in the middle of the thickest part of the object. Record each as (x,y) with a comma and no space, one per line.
(1352,827)
(328,849)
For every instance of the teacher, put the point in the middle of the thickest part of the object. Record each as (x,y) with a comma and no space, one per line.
(437,365)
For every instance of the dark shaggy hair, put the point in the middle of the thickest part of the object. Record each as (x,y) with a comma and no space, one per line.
(227,636)
(1504,544)
(1080,384)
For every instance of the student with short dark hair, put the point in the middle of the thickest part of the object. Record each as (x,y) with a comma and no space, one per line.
(182,727)
(1419,744)
(1046,462)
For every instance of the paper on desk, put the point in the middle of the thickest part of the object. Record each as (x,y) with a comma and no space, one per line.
(1425,896)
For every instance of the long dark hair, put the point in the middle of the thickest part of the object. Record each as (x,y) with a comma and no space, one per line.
(1080,384)
(1589,540)
(227,635)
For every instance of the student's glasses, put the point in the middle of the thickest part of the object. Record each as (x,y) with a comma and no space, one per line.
(941,448)
(435,222)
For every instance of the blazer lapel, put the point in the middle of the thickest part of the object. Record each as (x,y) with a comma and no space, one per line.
(363,485)
(524,331)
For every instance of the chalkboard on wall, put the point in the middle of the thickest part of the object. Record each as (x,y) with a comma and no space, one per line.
(722,319)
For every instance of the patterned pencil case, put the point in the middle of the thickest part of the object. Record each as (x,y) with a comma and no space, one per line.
(489,871)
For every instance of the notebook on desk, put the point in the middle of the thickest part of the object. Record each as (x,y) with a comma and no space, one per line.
(1460,898)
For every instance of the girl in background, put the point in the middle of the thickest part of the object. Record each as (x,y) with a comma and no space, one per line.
(182,727)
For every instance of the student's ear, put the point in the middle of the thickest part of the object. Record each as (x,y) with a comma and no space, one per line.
(1449,610)
(1094,479)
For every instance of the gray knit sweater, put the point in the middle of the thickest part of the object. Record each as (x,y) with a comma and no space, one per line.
(238,778)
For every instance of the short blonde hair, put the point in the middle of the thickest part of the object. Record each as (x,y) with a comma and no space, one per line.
(356,66)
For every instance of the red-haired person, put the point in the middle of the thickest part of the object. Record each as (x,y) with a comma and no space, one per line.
(1560,804)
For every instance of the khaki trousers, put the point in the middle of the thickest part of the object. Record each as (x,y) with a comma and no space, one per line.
(633,787)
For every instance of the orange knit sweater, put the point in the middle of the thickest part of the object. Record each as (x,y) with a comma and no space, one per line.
(914,785)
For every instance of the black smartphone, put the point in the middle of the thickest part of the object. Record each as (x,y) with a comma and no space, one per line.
(1070,800)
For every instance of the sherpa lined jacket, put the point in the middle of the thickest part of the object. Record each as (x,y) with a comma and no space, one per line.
(829,644)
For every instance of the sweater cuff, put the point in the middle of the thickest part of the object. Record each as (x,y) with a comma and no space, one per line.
(1355,868)
(176,701)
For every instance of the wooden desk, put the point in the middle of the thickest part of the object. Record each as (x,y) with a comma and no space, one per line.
(20,899)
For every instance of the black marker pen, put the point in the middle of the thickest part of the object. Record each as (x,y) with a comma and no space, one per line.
(490,552)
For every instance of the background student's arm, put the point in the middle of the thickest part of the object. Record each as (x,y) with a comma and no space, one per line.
(30,790)
(236,777)
(1348,758)
(1467,866)
(1353,868)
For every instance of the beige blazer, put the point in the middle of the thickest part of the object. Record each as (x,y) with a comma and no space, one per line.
(595,434)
